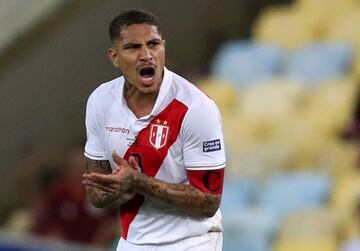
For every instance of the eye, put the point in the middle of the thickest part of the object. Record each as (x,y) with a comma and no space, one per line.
(132,46)
(153,44)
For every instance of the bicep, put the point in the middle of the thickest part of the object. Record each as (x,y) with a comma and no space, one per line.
(203,144)
(207,181)
(210,183)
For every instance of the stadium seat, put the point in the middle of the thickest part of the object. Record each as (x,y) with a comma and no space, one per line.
(320,61)
(285,27)
(326,12)
(314,133)
(339,158)
(309,244)
(330,105)
(346,192)
(238,193)
(259,160)
(345,29)
(356,65)
(307,146)
(249,229)
(291,192)
(265,105)
(244,62)
(335,3)
(272,101)
(224,93)
(311,223)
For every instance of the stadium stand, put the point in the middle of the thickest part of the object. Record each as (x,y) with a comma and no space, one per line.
(292,176)
(291,192)
(344,29)
(316,62)
(243,62)
(249,229)
(284,26)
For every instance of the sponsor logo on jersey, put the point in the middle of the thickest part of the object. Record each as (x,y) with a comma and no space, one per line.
(211,145)
(117,129)
(159,133)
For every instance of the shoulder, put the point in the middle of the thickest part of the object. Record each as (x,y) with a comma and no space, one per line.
(108,88)
(190,95)
(202,112)
(105,94)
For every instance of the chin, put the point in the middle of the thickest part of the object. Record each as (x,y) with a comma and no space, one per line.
(150,89)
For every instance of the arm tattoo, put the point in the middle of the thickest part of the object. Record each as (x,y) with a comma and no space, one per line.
(97,197)
(98,166)
(185,197)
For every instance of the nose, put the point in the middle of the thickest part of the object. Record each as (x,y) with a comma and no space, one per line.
(145,54)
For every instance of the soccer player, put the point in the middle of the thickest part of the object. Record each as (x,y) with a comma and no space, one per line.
(154,146)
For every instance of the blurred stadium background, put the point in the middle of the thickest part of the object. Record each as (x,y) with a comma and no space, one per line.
(285,75)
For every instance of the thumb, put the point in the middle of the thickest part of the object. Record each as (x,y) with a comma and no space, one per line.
(118,160)
(133,164)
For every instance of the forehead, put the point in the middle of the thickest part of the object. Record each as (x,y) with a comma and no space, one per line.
(135,32)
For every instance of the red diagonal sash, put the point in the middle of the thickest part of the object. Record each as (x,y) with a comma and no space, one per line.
(151,157)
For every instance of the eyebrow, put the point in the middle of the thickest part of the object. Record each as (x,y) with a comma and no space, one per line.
(130,44)
(154,40)
(127,45)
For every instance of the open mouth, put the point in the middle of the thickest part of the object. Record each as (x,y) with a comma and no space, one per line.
(147,72)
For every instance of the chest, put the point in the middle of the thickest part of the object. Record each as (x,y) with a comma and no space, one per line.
(154,140)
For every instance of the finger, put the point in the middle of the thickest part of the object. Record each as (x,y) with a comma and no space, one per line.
(111,188)
(116,170)
(98,186)
(133,164)
(118,160)
(101,178)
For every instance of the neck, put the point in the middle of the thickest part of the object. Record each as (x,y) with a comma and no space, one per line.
(141,104)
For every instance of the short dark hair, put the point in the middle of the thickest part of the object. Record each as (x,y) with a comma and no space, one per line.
(126,18)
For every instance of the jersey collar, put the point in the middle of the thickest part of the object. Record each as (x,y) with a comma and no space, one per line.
(163,97)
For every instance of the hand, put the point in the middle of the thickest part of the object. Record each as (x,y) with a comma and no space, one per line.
(119,161)
(120,181)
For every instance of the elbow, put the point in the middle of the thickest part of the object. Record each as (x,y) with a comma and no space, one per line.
(213,205)
(103,204)
(97,198)
(204,213)
(209,210)
(210,213)
(97,204)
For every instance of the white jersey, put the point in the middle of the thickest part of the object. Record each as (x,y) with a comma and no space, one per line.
(182,134)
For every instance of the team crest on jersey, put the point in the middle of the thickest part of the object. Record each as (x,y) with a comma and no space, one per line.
(159,133)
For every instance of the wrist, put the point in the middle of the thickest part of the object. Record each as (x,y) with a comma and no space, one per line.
(137,181)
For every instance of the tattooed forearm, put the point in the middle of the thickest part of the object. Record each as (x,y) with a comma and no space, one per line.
(101,199)
(97,197)
(188,198)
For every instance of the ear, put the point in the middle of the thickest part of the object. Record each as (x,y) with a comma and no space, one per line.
(113,56)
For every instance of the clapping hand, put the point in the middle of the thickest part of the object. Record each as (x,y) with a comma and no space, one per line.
(121,180)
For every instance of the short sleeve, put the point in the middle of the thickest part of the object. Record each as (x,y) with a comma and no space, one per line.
(95,145)
(202,137)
